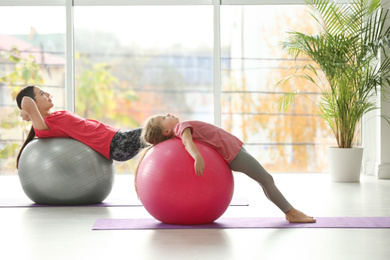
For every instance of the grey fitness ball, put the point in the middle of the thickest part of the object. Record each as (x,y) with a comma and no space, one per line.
(64,171)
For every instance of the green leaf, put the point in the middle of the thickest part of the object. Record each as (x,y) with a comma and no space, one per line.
(346,49)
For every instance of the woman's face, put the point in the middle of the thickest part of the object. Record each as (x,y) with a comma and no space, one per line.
(42,99)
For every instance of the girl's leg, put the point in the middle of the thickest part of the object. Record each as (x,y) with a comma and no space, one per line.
(245,163)
(126,144)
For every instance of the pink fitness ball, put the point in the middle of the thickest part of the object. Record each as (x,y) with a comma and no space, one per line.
(172,193)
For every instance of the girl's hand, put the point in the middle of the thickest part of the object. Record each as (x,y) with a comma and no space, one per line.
(24,116)
(199,166)
(191,148)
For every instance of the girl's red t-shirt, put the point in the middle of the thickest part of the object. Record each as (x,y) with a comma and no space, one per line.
(224,142)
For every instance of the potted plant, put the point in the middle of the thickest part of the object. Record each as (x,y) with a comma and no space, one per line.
(346,50)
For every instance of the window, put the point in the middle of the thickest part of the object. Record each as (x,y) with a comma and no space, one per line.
(135,59)
(142,61)
(254,62)
(32,51)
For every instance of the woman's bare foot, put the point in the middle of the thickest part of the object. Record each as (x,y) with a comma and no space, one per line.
(296,216)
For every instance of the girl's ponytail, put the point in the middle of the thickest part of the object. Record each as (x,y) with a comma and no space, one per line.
(151,135)
(140,156)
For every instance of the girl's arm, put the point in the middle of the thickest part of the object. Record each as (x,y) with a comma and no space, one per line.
(191,148)
(30,108)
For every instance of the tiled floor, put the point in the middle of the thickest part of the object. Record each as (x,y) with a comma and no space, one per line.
(66,232)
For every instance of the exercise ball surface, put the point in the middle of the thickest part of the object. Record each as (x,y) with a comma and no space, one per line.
(172,193)
(64,171)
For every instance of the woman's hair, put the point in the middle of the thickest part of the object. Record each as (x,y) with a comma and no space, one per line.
(151,135)
(29,92)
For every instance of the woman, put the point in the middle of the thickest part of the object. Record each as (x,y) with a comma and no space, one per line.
(111,142)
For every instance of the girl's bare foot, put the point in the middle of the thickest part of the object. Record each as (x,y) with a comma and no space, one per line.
(296,216)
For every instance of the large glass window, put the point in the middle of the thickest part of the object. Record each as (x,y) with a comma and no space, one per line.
(32,51)
(283,142)
(135,61)
(143,60)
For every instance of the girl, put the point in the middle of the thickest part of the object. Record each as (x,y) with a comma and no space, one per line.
(160,128)
(111,142)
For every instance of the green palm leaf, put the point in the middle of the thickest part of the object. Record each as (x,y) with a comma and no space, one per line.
(347,50)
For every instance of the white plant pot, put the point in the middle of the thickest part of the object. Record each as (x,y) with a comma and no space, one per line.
(345,163)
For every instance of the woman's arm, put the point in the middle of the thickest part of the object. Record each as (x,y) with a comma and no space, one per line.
(30,108)
(191,148)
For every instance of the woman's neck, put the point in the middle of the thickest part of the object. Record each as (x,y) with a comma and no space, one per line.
(46,113)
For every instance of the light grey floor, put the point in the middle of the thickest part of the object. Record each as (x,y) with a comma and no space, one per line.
(66,232)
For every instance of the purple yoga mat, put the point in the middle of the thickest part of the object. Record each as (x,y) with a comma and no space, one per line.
(225,223)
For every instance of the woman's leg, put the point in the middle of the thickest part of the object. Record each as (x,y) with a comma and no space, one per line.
(245,163)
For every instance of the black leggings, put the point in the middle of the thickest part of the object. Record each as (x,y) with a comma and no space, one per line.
(126,144)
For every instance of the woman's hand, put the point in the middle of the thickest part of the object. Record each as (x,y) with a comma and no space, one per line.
(31,113)
(24,116)
(27,103)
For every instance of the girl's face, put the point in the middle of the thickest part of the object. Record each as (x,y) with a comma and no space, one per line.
(168,122)
(42,99)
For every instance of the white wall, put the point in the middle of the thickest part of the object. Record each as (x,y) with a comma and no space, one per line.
(383,131)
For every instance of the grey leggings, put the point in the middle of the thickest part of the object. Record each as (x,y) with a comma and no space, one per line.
(245,163)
